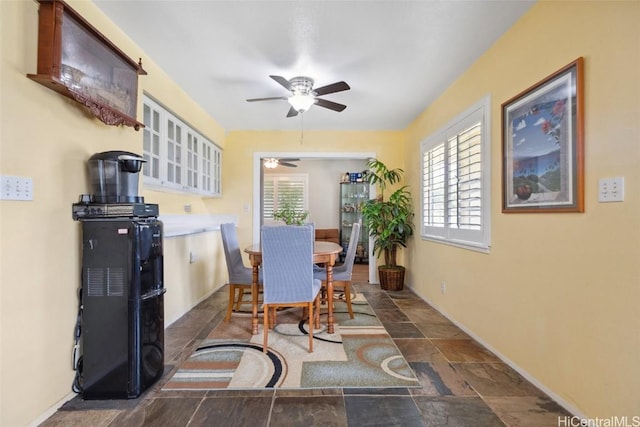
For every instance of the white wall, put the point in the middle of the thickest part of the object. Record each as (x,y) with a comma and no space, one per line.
(324,186)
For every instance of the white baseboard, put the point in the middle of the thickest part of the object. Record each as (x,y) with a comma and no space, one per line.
(566,405)
(52,410)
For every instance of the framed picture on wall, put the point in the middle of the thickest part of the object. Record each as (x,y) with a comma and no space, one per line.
(542,145)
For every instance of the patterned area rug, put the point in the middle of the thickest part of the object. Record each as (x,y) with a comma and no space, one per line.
(360,354)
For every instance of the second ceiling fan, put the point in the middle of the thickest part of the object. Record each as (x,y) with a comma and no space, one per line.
(272,162)
(303,95)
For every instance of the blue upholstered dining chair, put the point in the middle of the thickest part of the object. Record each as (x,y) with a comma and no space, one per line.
(342,273)
(287,265)
(240,277)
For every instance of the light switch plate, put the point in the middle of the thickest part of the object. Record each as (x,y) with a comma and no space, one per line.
(611,190)
(16,188)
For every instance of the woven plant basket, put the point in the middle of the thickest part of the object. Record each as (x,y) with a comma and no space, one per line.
(391,279)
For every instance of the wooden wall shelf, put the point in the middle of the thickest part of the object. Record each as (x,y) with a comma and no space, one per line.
(77,61)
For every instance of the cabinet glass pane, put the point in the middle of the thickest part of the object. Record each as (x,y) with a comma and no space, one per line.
(352,196)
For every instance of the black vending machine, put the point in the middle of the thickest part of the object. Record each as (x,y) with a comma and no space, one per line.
(122,312)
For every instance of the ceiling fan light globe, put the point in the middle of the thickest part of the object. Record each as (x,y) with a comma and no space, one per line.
(271,163)
(301,102)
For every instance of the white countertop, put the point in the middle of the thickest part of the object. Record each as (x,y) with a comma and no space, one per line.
(182,225)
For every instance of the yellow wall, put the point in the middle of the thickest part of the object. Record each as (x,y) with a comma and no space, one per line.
(194,267)
(238,181)
(558,295)
(49,138)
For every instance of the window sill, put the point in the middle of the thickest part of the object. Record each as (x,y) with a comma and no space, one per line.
(458,244)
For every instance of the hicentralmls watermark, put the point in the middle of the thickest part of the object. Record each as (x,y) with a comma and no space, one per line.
(623,421)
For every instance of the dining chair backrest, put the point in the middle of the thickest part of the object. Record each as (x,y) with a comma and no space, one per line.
(238,273)
(313,228)
(347,267)
(287,264)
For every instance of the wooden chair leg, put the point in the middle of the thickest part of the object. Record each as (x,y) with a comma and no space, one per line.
(232,299)
(347,296)
(240,296)
(317,316)
(273,319)
(311,325)
(265,316)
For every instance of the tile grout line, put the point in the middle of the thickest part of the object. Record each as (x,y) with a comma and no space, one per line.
(196,410)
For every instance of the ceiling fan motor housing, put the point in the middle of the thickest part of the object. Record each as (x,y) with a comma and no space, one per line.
(304,96)
(301,85)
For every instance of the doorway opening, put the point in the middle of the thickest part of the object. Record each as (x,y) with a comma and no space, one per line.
(320,193)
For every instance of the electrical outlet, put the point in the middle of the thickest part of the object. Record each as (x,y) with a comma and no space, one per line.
(443,287)
(16,188)
(611,190)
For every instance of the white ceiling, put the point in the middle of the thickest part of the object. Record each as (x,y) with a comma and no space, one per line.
(397,56)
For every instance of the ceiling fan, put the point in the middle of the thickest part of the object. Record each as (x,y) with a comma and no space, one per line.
(303,95)
(272,162)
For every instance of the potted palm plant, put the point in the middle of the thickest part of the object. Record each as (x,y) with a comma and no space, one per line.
(389,221)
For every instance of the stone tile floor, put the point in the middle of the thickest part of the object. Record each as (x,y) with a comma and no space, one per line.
(463,384)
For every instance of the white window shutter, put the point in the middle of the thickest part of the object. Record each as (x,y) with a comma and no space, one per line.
(455,171)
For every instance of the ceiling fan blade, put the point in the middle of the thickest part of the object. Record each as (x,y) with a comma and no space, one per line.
(292,112)
(289,160)
(332,88)
(266,99)
(289,165)
(282,81)
(330,104)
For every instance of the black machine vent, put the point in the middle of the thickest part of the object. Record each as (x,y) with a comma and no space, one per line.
(95,282)
(108,281)
(115,282)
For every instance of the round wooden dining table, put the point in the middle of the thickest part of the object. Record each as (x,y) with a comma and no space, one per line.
(323,252)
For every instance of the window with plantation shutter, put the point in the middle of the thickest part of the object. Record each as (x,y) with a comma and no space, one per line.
(455,181)
(281,189)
